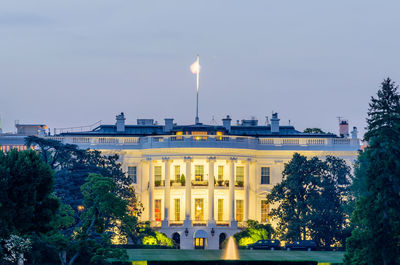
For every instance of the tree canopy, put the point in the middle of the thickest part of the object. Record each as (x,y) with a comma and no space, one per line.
(27,204)
(310,199)
(376,237)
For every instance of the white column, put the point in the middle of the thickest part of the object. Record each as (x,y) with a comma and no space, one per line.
(211,220)
(188,195)
(167,189)
(232,221)
(247,190)
(151,188)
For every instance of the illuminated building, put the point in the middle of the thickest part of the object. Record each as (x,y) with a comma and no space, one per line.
(200,183)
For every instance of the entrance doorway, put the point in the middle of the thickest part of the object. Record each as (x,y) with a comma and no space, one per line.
(199,243)
(177,238)
(222,238)
(200,237)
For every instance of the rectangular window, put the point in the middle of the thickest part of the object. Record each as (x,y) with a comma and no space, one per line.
(199,172)
(157,210)
(177,173)
(199,209)
(132,174)
(239,210)
(220,172)
(240,174)
(177,209)
(220,216)
(157,173)
(265,174)
(264,211)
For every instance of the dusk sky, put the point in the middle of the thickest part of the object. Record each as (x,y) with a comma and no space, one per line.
(72,63)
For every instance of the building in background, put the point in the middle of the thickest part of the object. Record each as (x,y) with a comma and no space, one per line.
(16,140)
(200,183)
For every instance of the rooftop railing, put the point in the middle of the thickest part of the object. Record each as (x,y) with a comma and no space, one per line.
(173,141)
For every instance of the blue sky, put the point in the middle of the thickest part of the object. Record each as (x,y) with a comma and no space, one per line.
(72,63)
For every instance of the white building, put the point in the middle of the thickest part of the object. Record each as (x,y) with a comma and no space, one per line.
(200,183)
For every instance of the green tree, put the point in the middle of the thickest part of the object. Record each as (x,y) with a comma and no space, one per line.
(88,239)
(27,205)
(311,200)
(253,232)
(376,237)
(314,130)
(293,194)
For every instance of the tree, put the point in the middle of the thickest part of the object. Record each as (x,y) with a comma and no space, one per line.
(254,232)
(26,202)
(89,237)
(311,200)
(376,237)
(293,194)
(73,165)
(314,130)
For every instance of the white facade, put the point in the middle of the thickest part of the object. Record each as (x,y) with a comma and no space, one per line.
(226,177)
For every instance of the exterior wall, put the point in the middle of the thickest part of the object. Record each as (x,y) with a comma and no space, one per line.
(254,159)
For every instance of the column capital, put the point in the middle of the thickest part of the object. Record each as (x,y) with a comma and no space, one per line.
(233,158)
(212,159)
(165,159)
(148,159)
(187,159)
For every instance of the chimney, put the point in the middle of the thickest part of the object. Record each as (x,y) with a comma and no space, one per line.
(275,123)
(169,124)
(354,133)
(227,123)
(120,122)
(344,128)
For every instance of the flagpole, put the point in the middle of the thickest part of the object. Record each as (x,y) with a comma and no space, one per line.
(197,90)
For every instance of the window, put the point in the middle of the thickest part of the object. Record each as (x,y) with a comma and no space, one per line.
(199,209)
(157,173)
(220,172)
(265,173)
(220,216)
(157,210)
(177,209)
(198,172)
(239,210)
(240,174)
(132,174)
(177,173)
(264,211)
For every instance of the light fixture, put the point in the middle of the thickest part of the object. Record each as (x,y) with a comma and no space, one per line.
(81,208)
(212,231)
(186,232)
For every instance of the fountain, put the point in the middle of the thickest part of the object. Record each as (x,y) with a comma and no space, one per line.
(231,250)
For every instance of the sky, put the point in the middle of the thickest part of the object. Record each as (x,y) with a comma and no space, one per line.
(73,63)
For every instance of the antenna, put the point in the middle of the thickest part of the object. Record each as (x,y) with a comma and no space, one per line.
(213,120)
(266,120)
(289,122)
(339,118)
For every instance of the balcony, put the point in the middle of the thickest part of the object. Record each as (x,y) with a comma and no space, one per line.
(239,184)
(175,183)
(199,182)
(159,183)
(222,183)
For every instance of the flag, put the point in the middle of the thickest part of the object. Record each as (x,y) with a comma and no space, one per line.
(195,67)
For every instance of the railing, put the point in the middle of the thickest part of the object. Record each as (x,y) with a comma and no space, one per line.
(222,223)
(159,183)
(199,223)
(176,183)
(175,223)
(222,183)
(171,141)
(199,182)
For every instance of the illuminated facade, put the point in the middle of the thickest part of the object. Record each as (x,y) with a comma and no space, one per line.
(200,183)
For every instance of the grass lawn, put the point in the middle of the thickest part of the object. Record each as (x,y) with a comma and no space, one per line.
(281,255)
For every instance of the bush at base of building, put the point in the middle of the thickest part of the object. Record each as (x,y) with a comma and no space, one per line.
(254,232)
(158,239)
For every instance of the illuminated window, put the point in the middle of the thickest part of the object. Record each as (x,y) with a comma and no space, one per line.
(177,173)
(265,174)
(220,216)
(199,172)
(177,209)
(132,174)
(239,210)
(157,210)
(264,211)
(157,173)
(199,243)
(220,172)
(199,209)
(239,174)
